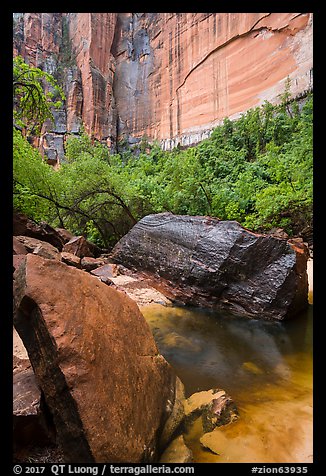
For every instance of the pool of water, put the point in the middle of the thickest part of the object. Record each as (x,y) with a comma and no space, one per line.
(266,367)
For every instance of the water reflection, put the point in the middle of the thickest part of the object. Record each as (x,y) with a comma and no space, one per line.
(209,349)
(265,366)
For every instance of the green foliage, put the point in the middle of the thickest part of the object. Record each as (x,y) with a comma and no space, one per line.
(82,146)
(256,170)
(33,178)
(35,94)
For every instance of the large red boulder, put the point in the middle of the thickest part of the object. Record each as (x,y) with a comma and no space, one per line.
(108,388)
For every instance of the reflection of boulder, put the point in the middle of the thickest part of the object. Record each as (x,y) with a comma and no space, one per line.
(205,261)
(252,368)
(175,340)
(107,387)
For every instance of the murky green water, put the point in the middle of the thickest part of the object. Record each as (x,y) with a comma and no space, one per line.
(265,366)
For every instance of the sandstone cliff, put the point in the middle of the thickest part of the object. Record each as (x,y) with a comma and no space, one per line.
(167,76)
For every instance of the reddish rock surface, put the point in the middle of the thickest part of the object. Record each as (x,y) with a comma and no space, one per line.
(39,247)
(22,225)
(29,424)
(178,75)
(106,271)
(169,76)
(17,260)
(109,394)
(70,259)
(89,264)
(64,234)
(91,36)
(78,246)
(17,247)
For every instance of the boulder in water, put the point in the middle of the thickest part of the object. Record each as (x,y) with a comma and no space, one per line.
(204,261)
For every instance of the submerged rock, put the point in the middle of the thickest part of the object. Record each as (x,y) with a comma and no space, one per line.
(252,368)
(109,390)
(208,262)
(214,407)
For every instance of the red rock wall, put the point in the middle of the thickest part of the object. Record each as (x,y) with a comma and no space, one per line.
(91,36)
(169,76)
(178,75)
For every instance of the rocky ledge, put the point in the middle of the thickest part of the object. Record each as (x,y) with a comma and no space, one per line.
(205,261)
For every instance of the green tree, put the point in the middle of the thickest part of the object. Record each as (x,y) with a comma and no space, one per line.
(256,170)
(35,94)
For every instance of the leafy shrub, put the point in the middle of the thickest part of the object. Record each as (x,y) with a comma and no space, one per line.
(256,170)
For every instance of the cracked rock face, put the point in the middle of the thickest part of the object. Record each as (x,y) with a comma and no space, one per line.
(170,76)
(207,262)
(179,74)
(107,387)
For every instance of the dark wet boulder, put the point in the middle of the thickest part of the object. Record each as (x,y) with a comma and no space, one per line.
(209,262)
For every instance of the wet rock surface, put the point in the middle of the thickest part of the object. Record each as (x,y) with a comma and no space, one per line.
(104,408)
(214,407)
(208,262)
(177,452)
